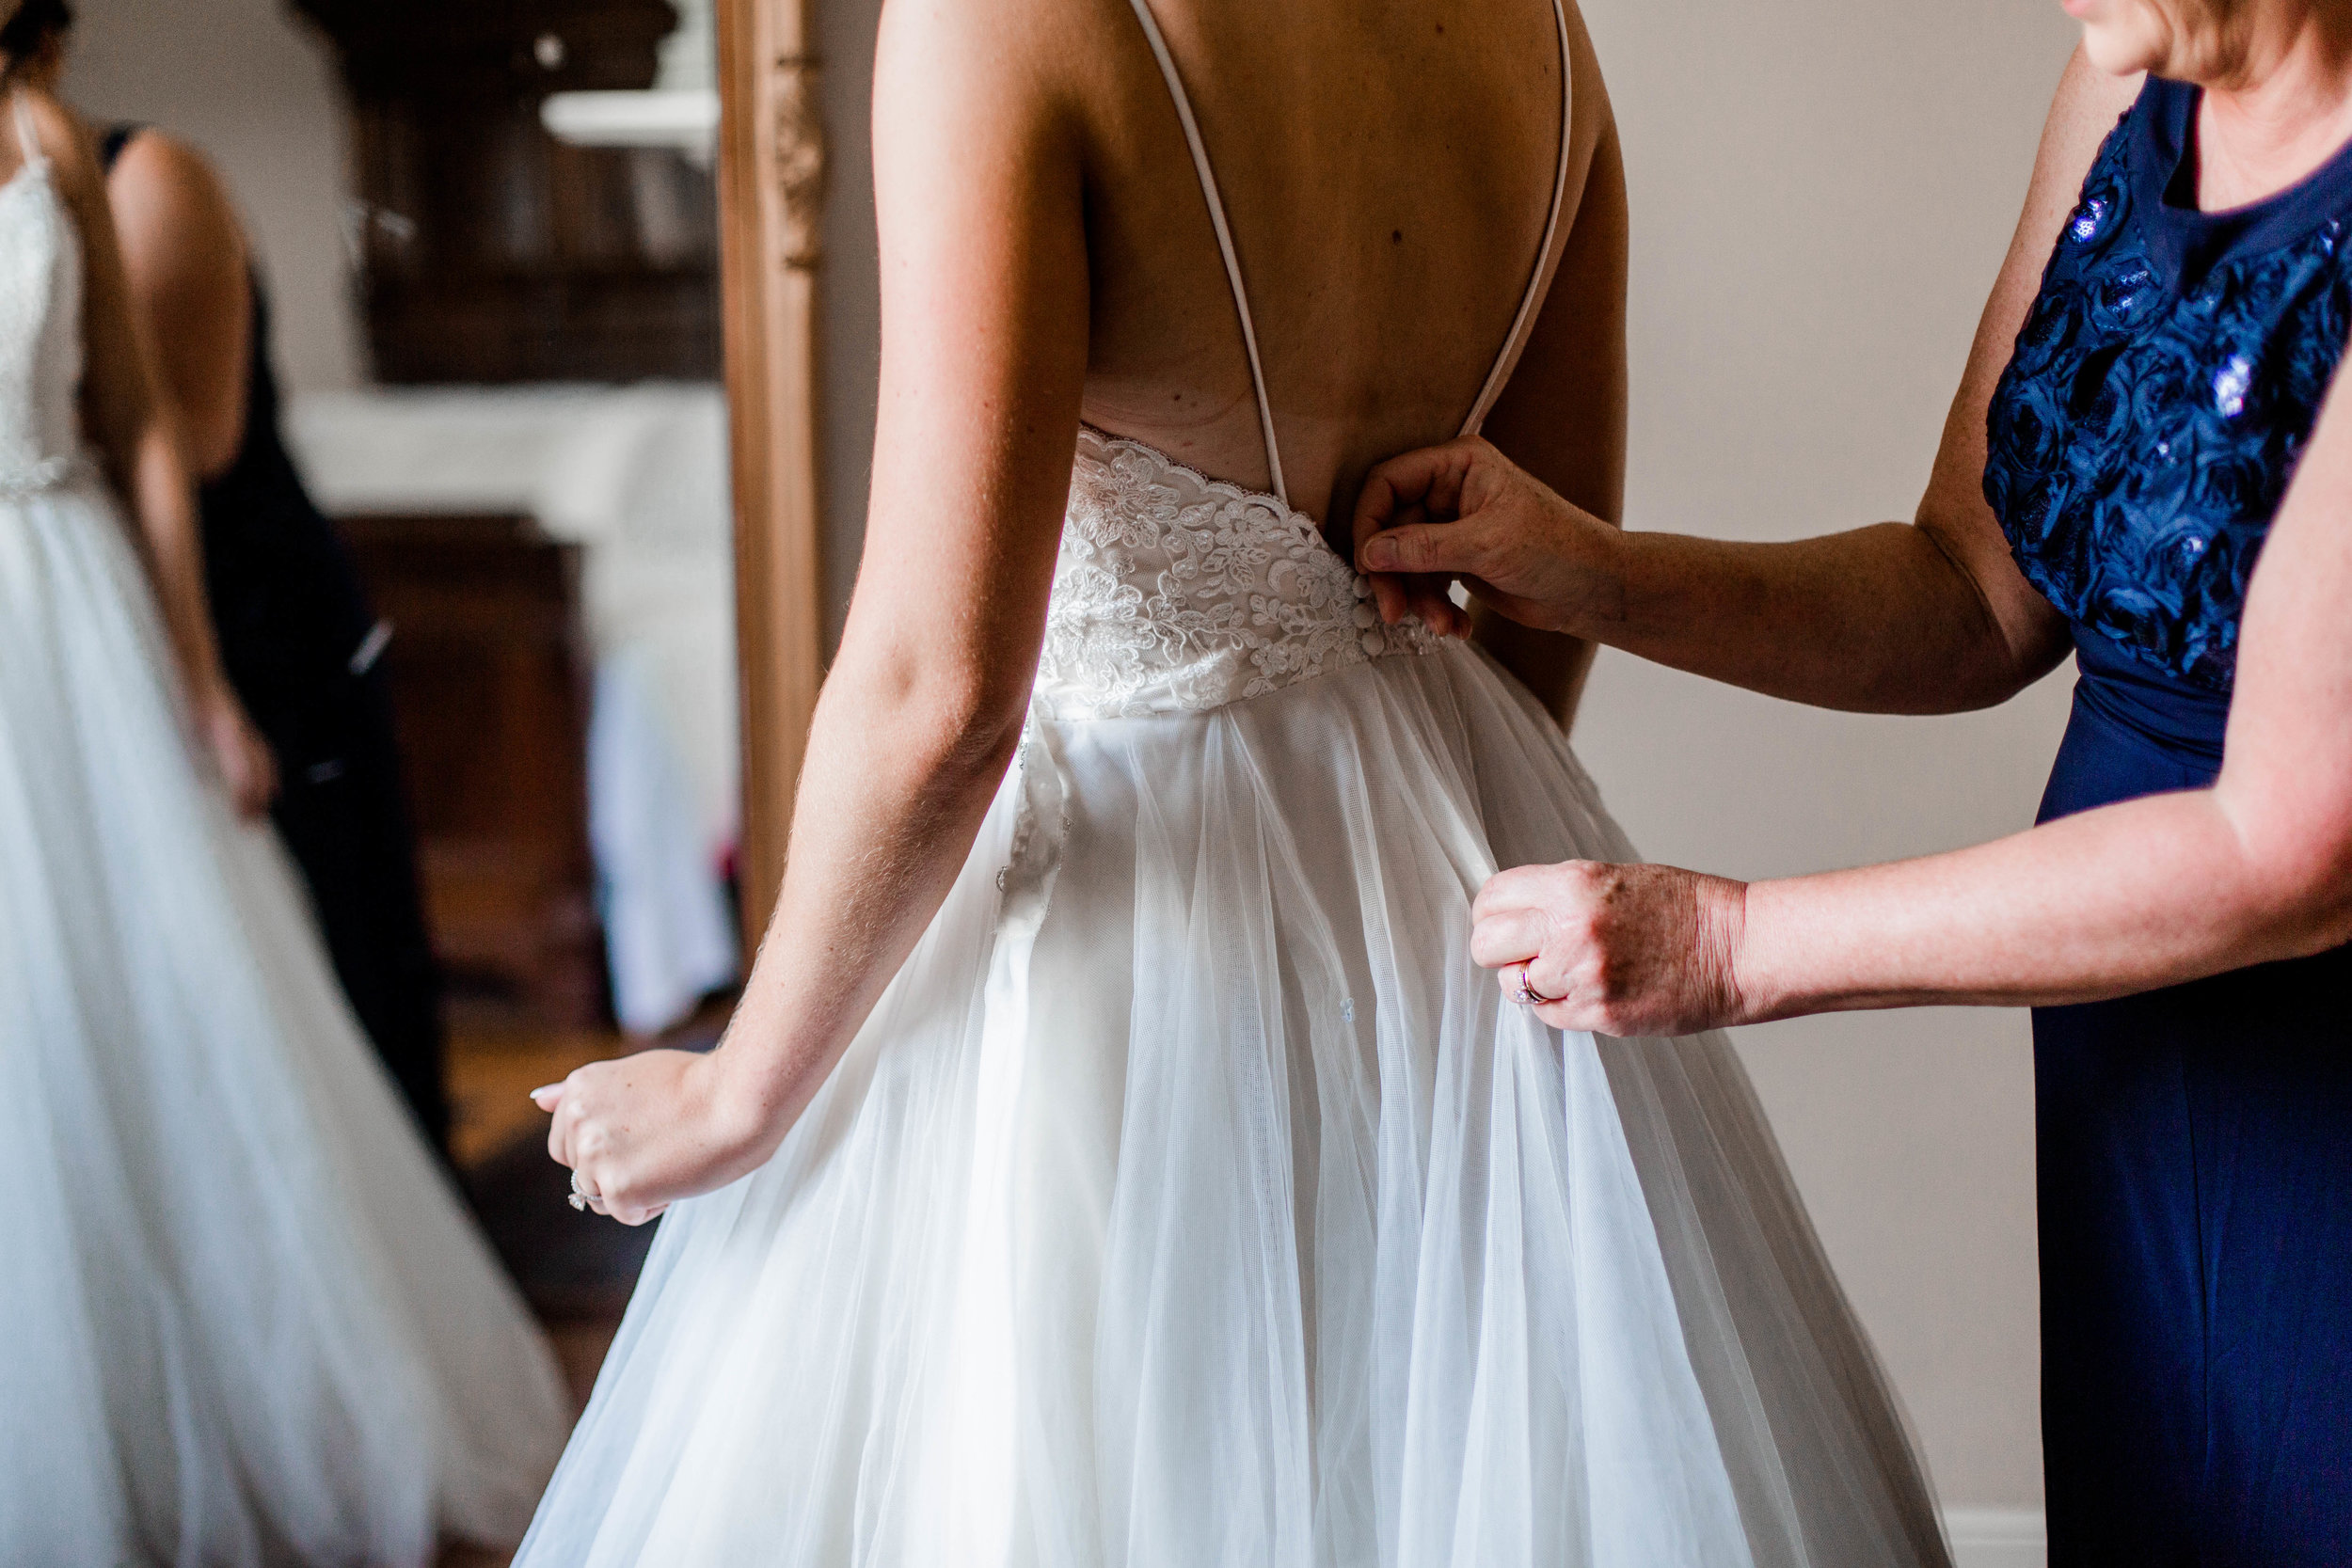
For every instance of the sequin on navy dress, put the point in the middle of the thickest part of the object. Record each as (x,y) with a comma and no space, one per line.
(2195,1143)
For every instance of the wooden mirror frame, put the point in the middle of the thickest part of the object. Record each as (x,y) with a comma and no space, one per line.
(771,182)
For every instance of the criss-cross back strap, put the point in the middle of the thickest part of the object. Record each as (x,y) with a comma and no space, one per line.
(1224,238)
(1536,284)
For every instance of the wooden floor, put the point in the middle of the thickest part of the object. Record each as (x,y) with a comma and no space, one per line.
(494,1064)
(574,1268)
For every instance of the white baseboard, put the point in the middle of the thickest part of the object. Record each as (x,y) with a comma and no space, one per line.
(1997,1537)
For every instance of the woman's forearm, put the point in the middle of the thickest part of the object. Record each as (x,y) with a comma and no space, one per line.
(1879,620)
(1896,618)
(155,479)
(899,772)
(2126,898)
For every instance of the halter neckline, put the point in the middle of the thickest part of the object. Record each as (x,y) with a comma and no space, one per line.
(1538,280)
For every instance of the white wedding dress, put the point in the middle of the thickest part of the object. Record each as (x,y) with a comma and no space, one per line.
(1192,1201)
(245,1318)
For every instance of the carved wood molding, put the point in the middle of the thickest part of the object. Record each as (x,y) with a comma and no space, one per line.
(772,178)
(797,122)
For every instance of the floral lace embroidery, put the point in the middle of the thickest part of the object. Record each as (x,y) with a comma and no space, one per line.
(1176,592)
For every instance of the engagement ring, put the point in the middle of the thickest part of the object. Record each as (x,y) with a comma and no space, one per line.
(1528,996)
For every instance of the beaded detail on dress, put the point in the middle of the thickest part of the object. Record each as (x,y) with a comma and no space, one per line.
(2162,392)
(1175,592)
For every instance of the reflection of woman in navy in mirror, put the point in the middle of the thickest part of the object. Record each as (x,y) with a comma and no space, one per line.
(298,640)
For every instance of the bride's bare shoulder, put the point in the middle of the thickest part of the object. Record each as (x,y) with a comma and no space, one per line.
(1017,51)
(1013,95)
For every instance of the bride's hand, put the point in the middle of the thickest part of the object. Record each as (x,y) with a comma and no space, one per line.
(642,1132)
(248,771)
(1463,510)
(1620,950)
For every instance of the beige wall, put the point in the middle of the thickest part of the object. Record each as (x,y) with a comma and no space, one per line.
(1822,192)
(255,89)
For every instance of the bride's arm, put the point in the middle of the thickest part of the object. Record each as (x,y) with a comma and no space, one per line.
(979,178)
(129,423)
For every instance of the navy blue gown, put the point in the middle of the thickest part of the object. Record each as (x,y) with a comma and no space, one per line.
(2195,1143)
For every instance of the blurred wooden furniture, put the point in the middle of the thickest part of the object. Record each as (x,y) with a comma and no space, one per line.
(489,676)
(490,251)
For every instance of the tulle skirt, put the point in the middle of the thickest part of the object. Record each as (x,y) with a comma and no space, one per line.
(243,1316)
(1192,1199)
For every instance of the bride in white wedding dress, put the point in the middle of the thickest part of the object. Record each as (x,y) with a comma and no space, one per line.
(1117,1158)
(245,1318)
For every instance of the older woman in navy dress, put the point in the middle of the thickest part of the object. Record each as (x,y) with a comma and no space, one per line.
(2145,467)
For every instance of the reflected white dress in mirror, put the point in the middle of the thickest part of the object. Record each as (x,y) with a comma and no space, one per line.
(1192,1199)
(245,1318)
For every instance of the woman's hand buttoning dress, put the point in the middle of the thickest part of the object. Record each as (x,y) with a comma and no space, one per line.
(1119,1156)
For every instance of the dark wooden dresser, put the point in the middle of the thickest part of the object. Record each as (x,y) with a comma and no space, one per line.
(489,674)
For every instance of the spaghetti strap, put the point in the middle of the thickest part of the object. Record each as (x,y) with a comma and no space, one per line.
(1547,261)
(1224,239)
(27,133)
(1538,282)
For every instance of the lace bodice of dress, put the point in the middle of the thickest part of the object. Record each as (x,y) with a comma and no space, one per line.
(40,341)
(1175,592)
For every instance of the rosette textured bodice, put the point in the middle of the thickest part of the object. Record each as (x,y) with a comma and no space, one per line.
(2161,395)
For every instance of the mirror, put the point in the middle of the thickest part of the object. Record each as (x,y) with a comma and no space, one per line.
(575,473)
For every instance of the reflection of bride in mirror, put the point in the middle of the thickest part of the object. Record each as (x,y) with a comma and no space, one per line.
(1118,1157)
(298,638)
(246,1316)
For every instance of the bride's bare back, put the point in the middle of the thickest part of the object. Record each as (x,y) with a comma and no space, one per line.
(1387,171)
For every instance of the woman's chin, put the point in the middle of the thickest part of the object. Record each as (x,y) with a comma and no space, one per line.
(2119,51)
(2121,37)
